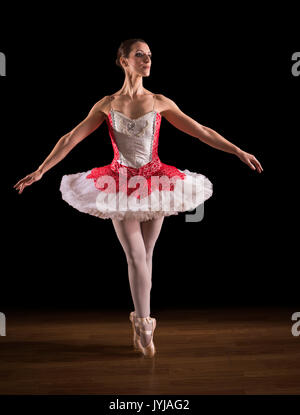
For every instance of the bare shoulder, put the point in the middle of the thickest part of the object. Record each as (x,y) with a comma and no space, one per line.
(165,104)
(103,104)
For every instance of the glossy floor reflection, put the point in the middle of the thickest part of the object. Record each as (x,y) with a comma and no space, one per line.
(204,351)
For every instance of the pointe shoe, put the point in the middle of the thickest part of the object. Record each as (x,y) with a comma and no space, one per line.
(136,337)
(149,350)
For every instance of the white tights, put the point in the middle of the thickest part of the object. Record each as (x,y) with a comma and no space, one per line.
(138,241)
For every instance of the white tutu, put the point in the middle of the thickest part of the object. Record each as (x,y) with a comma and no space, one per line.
(81,194)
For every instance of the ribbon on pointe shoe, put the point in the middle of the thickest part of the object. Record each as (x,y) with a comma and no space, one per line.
(144,320)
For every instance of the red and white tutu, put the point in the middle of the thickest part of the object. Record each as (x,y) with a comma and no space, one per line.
(136,184)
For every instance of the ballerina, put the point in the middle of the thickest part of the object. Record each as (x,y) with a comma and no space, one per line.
(126,191)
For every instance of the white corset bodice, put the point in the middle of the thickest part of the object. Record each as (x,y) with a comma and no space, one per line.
(134,138)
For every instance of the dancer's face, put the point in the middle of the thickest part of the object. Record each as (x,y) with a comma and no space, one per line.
(139,60)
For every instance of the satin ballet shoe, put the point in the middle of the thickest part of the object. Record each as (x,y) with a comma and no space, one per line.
(136,337)
(149,350)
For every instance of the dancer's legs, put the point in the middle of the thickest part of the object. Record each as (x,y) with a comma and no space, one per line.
(130,236)
(138,241)
(150,231)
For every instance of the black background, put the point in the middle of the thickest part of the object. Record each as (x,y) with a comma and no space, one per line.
(229,72)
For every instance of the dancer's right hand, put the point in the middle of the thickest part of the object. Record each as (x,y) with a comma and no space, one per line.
(28,180)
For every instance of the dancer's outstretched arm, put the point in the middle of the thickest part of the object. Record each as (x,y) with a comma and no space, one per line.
(209,136)
(66,143)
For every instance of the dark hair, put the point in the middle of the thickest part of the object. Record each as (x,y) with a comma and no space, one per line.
(125,49)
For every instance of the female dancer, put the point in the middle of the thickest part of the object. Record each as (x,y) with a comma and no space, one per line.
(133,115)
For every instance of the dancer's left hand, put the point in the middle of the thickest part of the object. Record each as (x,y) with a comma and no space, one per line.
(250,160)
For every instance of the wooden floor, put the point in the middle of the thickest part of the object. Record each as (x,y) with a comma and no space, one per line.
(205,351)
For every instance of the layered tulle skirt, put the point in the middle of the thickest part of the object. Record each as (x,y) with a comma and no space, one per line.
(127,193)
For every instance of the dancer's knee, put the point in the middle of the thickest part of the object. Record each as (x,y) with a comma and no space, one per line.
(136,257)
